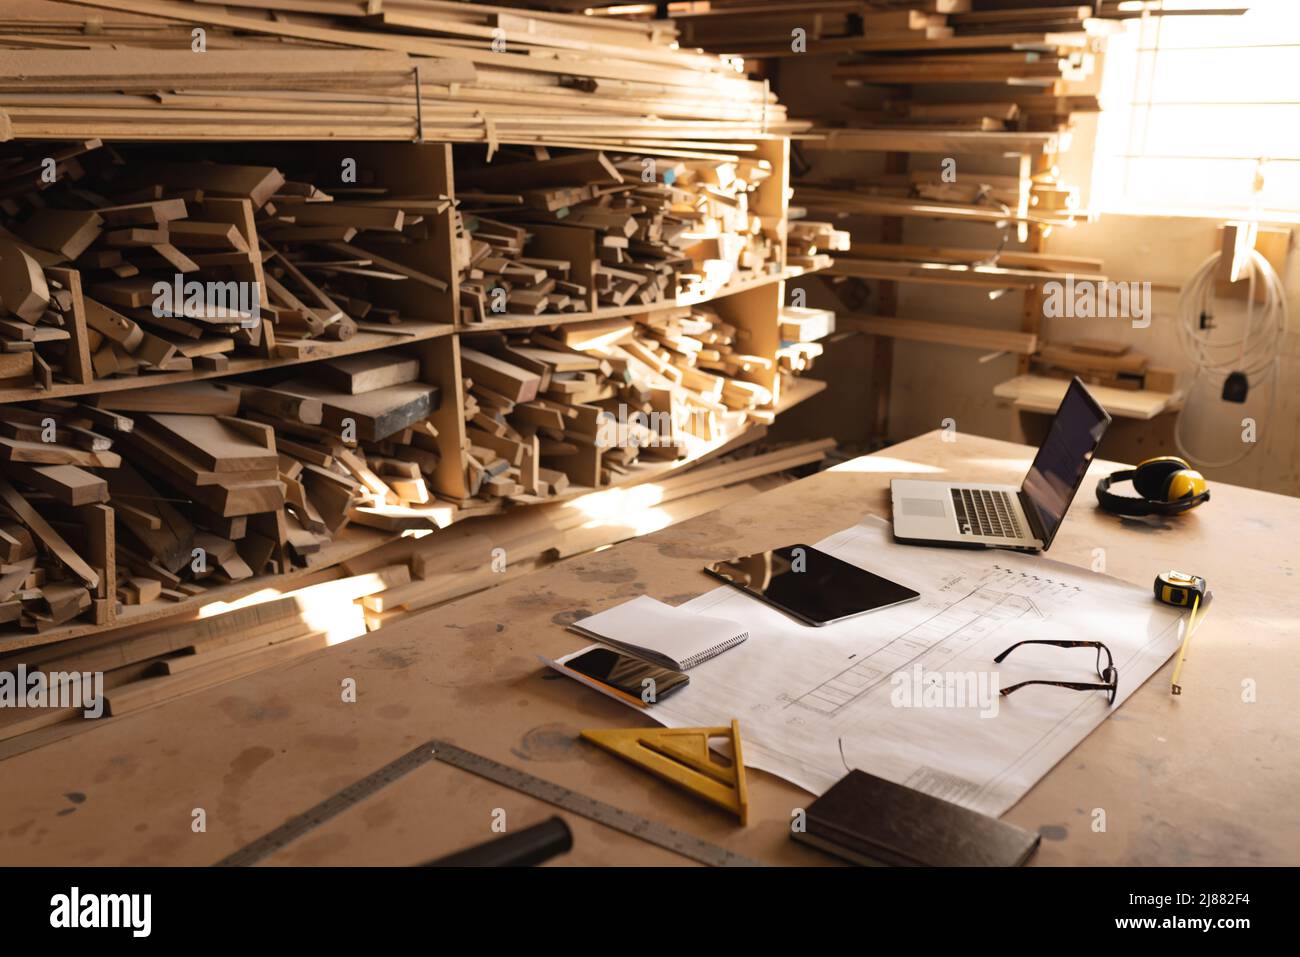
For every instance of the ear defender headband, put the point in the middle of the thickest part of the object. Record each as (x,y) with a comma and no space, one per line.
(1167,486)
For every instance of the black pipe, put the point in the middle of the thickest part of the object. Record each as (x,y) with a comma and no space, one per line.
(527,848)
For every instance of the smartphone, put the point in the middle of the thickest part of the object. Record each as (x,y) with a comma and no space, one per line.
(627,675)
(810,585)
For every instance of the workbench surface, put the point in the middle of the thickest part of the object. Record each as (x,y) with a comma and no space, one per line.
(1209,777)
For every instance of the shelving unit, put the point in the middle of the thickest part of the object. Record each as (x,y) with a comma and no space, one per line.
(751,302)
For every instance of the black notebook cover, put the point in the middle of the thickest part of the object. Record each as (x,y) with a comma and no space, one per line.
(869,820)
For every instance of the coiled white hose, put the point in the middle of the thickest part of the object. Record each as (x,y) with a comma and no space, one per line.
(1257,352)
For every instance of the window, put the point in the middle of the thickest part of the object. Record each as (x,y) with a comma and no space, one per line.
(1201,114)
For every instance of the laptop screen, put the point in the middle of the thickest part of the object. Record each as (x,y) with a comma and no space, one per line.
(1063,458)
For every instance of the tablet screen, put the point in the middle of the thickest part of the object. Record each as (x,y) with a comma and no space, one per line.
(809,584)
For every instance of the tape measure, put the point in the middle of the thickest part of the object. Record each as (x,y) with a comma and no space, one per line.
(639,827)
(1179,588)
(1182,591)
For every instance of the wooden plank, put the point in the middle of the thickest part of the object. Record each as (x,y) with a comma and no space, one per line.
(1040,394)
(48,536)
(918,330)
(515,383)
(945,142)
(68,484)
(377,414)
(66,232)
(212,442)
(48,453)
(77,365)
(356,375)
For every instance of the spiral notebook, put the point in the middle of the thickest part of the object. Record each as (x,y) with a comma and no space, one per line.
(662,634)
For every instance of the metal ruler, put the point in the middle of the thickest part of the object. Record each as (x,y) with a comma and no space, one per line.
(633,824)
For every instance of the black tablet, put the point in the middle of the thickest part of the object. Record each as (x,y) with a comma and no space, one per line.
(810,585)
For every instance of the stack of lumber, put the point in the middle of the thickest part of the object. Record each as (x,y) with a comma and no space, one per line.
(1048,196)
(212,484)
(847,197)
(55,533)
(1001,78)
(801,329)
(580,231)
(764,28)
(119,265)
(1003,110)
(145,665)
(280,470)
(809,244)
(390,70)
(804,324)
(993,65)
(996,268)
(1103,363)
(578,406)
(474,556)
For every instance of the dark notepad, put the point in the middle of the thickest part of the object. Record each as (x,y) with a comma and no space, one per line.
(868,820)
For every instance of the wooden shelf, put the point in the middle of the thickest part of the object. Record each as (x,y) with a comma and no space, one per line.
(863,204)
(357,540)
(798,390)
(947,142)
(945,333)
(439,514)
(1028,42)
(750,303)
(406,333)
(618,312)
(324,349)
(1034,393)
(987,277)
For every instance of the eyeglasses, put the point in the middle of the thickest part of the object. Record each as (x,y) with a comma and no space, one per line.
(1108,674)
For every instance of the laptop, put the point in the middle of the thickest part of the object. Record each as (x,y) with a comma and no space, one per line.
(970,515)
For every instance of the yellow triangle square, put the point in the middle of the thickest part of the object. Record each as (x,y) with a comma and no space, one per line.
(682,756)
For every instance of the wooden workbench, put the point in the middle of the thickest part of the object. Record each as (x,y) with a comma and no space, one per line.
(1206,778)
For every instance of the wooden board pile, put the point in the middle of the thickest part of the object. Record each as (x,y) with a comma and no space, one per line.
(114,265)
(1103,363)
(1018,69)
(809,244)
(766,28)
(801,329)
(264,476)
(581,405)
(464,559)
(1049,197)
(55,533)
(950,265)
(581,231)
(390,70)
(211,483)
(145,666)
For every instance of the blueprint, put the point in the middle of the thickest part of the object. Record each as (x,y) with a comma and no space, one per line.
(909,693)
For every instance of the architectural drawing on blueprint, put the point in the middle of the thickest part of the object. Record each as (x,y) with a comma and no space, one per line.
(816,702)
(1001,595)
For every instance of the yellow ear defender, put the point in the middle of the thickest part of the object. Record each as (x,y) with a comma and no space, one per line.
(1167,485)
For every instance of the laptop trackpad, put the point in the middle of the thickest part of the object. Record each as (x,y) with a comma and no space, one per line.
(923,507)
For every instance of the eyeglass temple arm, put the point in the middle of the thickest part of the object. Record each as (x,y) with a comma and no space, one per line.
(1055,642)
(1075,685)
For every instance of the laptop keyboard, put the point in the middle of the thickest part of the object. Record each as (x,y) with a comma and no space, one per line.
(981,512)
